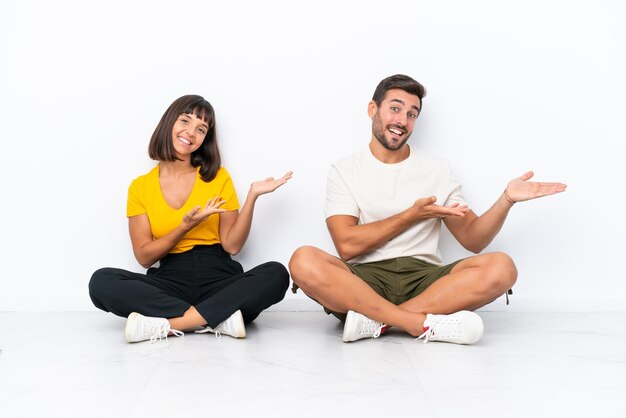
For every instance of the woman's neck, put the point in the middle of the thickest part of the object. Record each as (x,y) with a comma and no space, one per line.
(175,168)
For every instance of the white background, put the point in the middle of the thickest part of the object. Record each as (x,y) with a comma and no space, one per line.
(512,86)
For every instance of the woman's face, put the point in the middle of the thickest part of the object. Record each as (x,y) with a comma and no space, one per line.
(188,134)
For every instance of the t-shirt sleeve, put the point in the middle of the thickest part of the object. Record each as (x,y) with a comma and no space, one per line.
(228,193)
(339,199)
(135,205)
(456,191)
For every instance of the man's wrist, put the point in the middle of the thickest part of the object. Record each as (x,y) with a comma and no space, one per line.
(508,198)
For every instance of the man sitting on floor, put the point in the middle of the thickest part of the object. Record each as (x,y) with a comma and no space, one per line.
(384,208)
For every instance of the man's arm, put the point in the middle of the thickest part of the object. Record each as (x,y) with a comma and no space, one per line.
(352,239)
(476,232)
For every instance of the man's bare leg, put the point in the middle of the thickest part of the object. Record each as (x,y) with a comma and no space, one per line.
(472,283)
(327,280)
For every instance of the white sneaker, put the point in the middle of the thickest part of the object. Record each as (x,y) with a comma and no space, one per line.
(142,328)
(359,326)
(463,327)
(233,326)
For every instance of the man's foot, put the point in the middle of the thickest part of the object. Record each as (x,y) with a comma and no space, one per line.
(233,326)
(359,326)
(463,327)
(142,328)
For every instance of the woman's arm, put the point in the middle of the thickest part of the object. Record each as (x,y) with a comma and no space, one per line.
(148,250)
(235,226)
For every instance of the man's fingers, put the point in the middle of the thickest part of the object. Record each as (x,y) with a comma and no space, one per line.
(526,176)
(425,201)
(436,211)
(459,213)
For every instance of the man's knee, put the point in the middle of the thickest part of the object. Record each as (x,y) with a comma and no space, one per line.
(304,266)
(301,261)
(500,272)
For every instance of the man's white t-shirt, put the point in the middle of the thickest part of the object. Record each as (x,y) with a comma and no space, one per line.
(370,190)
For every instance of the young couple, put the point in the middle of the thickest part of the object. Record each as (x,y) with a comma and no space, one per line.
(384,208)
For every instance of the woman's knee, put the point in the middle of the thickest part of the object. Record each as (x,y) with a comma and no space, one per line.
(278,271)
(100,280)
(100,287)
(273,276)
(276,268)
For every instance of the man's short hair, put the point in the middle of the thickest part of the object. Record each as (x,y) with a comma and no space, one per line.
(398,81)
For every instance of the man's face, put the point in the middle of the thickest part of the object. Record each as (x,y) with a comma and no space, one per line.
(392,122)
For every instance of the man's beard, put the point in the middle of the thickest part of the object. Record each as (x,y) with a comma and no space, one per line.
(379,134)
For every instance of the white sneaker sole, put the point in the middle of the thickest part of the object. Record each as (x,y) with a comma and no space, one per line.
(129,325)
(348,327)
(238,318)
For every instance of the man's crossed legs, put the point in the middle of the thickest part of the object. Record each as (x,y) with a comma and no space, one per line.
(441,312)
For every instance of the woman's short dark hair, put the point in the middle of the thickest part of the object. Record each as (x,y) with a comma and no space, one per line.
(207,157)
(398,81)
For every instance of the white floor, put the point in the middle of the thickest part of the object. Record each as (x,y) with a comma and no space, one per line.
(293,364)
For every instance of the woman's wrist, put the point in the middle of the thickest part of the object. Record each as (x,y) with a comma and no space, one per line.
(252,195)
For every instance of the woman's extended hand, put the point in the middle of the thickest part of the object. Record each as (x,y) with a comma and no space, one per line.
(198,215)
(269,184)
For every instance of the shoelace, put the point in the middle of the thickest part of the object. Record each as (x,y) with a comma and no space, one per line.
(447,328)
(426,335)
(371,327)
(206,329)
(162,331)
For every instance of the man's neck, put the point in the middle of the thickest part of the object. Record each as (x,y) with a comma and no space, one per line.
(388,156)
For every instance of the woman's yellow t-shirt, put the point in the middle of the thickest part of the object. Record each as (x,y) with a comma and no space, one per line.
(144,196)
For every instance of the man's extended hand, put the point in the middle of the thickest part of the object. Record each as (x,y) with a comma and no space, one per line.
(521,189)
(425,208)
